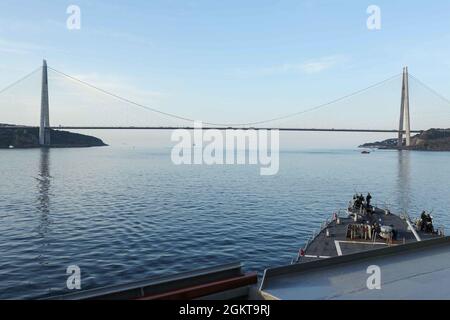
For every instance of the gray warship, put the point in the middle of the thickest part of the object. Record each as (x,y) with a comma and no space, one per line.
(362,227)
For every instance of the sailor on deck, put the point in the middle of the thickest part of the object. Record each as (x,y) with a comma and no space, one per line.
(368,198)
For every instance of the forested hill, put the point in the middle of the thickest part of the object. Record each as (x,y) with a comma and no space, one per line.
(429,140)
(29,138)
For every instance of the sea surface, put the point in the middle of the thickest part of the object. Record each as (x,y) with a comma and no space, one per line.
(125,214)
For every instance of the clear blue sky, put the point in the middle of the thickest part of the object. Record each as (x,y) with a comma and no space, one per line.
(229,61)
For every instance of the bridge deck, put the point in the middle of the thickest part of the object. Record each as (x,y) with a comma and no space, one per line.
(209,127)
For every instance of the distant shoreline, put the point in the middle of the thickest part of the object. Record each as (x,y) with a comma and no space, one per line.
(429,140)
(28,138)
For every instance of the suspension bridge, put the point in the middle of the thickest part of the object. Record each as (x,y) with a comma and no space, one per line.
(404,128)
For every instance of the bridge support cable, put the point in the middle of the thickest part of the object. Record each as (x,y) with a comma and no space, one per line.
(20,80)
(126,100)
(241,125)
(437,94)
(248,125)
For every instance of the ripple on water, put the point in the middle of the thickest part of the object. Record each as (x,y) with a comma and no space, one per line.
(124,215)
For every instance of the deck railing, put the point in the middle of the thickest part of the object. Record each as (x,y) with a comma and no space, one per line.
(315,233)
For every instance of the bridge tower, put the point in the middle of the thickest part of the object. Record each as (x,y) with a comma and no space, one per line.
(44,131)
(405,125)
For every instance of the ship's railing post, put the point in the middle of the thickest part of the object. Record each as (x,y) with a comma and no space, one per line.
(304,249)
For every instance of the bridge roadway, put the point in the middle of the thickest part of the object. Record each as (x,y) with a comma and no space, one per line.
(207,128)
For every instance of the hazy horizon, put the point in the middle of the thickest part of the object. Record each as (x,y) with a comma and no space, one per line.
(228,63)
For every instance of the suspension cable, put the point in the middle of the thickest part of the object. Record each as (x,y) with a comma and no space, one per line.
(324,104)
(430,89)
(120,97)
(224,124)
(20,80)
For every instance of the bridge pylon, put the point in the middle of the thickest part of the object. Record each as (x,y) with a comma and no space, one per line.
(405,124)
(44,128)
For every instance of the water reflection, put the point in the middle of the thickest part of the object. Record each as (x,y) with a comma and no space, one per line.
(138,210)
(404,180)
(43,186)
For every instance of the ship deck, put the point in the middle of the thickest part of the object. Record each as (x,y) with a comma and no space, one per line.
(337,242)
(417,270)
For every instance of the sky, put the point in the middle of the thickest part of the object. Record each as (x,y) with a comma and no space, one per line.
(227,62)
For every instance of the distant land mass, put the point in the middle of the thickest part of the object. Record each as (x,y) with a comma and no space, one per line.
(29,138)
(429,140)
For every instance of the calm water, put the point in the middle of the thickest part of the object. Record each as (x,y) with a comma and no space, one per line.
(127,214)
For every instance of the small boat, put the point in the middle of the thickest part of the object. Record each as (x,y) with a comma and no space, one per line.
(11,147)
(365,152)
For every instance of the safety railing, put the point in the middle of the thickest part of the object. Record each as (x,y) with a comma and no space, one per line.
(324,225)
